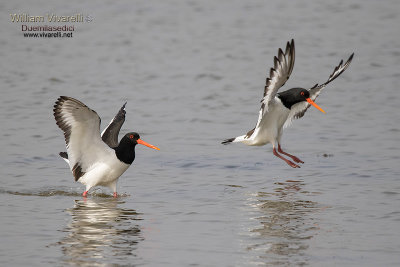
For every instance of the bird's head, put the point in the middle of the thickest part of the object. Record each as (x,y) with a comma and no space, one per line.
(296,95)
(135,139)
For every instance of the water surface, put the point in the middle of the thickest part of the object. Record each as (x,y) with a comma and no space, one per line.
(193,74)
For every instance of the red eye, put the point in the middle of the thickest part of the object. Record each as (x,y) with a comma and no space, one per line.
(302,93)
(131,136)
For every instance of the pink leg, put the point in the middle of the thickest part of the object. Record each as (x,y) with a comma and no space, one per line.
(291,164)
(115,195)
(85,194)
(296,159)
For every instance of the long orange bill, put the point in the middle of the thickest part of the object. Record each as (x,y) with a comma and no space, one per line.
(140,141)
(315,105)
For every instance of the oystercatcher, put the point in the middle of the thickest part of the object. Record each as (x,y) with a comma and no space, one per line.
(279,109)
(94,159)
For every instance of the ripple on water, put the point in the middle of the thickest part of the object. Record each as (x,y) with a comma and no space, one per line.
(286,222)
(49,192)
(101,232)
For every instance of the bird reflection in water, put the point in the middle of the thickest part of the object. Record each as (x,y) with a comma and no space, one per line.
(101,233)
(287,223)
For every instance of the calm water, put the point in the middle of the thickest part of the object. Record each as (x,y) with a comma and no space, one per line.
(193,74)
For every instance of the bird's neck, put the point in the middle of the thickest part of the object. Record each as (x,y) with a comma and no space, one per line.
(125,151)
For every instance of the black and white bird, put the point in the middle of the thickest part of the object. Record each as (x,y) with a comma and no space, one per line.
(278,110)
(94,159)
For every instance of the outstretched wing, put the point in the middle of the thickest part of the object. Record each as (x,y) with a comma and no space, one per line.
(298,110)
(110,133)
(81,127)
(278,75)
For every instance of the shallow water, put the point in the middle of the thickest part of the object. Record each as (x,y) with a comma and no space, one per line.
(193,75)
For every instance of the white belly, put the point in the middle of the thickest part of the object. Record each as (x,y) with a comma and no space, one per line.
(104,173)
(270,128)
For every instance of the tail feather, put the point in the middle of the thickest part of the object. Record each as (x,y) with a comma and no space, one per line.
(64,155)
(227,141)
(236,139)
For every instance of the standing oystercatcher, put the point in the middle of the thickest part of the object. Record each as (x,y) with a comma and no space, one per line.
(279,109)
(94,159)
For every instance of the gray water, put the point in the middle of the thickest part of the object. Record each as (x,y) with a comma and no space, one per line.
(193,73)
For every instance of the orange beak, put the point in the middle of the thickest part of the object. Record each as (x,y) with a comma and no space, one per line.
(140,141)
(315,105)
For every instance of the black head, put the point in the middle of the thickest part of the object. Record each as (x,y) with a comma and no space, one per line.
(297,95)
(293,96)
(126,149)
(133,137)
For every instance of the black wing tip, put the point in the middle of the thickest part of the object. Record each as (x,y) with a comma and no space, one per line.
(292,44)
(65,98)
(345,65)
(347,62)
(350,58)
(60,100)
(339,69)
(292,55)
(57,112)
(289,47)
(227,141)
(121,113)
(64,155)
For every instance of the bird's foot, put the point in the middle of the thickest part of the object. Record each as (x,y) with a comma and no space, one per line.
(296,159)
(293,165)
(115,195)
(85,194)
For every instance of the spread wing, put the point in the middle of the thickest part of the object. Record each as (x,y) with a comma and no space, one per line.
(81,127)
(278,75)
(110,133)
(298,110)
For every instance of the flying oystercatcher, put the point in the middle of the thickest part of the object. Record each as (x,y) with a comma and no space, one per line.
(279,109)
(94,159)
